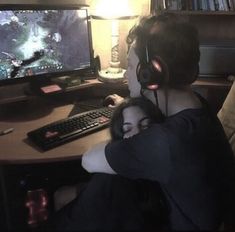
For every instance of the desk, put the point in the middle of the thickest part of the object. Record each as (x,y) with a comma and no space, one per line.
(19,158)
(35,112)
(15,147)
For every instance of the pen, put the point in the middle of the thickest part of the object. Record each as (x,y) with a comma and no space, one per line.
(7,131)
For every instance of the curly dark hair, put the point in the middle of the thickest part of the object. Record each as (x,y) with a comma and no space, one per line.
(173,39)
(140,32)
(152,111)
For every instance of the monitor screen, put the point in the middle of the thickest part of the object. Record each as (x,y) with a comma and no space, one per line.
(43,41)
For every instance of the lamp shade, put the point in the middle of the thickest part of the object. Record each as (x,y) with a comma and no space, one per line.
(112,9)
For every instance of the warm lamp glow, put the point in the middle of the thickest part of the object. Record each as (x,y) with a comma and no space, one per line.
(115,10)
(112,8)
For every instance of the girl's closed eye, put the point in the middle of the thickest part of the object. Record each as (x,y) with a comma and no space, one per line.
(143,126)
(144,123)
(134,121)
(126,128)
(131,129)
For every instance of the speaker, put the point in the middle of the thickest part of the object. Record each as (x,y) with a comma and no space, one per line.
(93,72)
(97,65)
(217,60)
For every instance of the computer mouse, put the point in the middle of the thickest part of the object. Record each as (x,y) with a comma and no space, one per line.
(108,101)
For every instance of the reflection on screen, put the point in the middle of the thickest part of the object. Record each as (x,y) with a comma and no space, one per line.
(35,42)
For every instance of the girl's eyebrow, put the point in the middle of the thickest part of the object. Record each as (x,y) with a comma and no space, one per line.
(127,123)
(142,119)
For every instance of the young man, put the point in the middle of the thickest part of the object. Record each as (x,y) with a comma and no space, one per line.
(188,154)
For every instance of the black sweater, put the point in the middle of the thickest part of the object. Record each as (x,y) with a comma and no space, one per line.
(191,158)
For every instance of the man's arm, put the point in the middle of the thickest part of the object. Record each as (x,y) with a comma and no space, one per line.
(94,160)
(141,156)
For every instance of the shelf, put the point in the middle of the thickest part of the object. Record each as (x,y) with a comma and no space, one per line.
(13,93)
(22,92)
(213,82)
(85,84)
(9,94)
(201,12)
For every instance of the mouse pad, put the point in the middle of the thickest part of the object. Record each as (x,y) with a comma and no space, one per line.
(86,105)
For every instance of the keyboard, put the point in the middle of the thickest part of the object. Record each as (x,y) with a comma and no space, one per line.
(73,127)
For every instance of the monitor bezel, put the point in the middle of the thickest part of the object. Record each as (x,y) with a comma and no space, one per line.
(48,76)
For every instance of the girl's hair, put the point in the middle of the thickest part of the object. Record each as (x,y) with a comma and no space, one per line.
(116,124)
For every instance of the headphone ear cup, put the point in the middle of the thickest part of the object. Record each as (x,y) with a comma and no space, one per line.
(144,75)
(153,74)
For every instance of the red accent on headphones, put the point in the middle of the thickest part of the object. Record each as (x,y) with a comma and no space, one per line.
(153,87)
(152,74)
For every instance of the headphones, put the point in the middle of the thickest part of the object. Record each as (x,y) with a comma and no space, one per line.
(152,73)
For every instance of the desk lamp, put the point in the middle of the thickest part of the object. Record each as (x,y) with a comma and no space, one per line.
(113,10)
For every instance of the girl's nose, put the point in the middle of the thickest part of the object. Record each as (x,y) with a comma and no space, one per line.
(135,130)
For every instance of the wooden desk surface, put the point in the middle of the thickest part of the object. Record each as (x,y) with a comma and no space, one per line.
(15,148)
(33,113)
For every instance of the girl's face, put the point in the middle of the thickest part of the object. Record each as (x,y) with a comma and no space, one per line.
(134,120)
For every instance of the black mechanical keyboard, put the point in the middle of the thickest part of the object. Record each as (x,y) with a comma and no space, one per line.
(65,130)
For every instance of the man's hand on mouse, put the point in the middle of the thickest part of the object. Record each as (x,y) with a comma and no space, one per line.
(114,99)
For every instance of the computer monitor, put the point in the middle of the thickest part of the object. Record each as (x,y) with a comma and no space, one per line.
(40,42)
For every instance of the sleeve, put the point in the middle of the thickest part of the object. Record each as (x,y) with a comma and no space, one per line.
(145,155)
